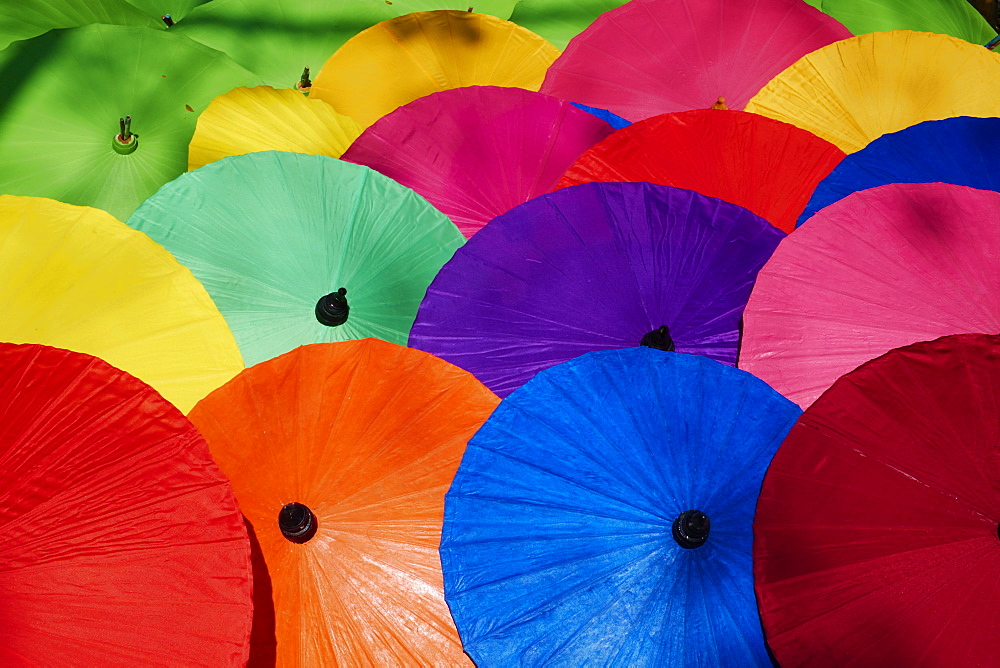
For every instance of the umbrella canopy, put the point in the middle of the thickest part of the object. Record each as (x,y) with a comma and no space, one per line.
(58,131)
(875,539)
(76,278)
(478,152)
(763,165)
(27,18)
(398,61)
(602,516)
(640,60)
(120,540)
(953,150)
(559,21)
(614,120)
(593,267)
(861,88)
(357,582)
(277,39)
(879,269)
(957,18)
(249,120)
(300,249)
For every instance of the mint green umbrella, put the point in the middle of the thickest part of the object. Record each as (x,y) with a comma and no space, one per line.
(957,18)
(277,39)
(23,19)
(298,249)
(66,94)
(559,21)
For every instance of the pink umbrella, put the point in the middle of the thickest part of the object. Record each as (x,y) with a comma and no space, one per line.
(479,151)
(877,270)
(651,57)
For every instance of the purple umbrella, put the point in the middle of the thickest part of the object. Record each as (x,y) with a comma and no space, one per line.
(594,267)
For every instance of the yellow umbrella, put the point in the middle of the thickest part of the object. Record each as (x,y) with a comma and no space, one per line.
(74,277)
(397,61)
(248,120)
(859,89)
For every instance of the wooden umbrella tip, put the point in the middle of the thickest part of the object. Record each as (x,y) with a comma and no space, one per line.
(720,104)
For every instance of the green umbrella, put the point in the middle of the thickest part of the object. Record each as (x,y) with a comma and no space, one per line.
(66,93)
(559,21)
(277,39)
(275,236)
(948,17)
(23,19)
(176,9)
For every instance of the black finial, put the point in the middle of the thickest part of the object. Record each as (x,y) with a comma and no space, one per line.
(332,309)
(659,338)
(166,19)
(297,522)
(691,529)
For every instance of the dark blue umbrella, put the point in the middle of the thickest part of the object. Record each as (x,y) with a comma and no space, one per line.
(960,150)
(602,515)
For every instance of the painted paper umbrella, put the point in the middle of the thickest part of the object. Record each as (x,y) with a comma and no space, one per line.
(120,540)
(593,267)
(602,516)
(27,18)
(953,150)
(879,269)
(340,455)
(957,18)
(559,21)
(650,57)
(298,249)
(478,152)
(398,61)
(761,164)
(102,115)
(76,278)
(875,539)
(278,39)
(250,120)
(859,89)
(614,120)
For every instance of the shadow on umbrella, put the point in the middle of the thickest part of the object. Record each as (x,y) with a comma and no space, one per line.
(16,71)
(263,639)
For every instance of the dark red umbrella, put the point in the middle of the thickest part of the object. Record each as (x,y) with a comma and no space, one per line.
(120,540)
(875,538)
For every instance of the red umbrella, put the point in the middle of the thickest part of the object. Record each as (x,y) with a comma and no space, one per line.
(766,166)
(875,538)
(120,540)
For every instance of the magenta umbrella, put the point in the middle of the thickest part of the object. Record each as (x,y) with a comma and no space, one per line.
(477,152)
(650,57)
(880,269)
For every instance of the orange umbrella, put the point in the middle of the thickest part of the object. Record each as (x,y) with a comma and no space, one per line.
(340,455)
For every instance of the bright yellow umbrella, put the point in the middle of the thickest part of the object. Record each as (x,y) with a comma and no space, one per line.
(248,120)
(858,89)
(397,61)
(74,277)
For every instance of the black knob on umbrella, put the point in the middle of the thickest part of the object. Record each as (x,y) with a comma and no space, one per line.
(659,338)
(332,309)
(691,529)
(297,522)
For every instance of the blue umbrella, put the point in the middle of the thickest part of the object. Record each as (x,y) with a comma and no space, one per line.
(960,150)
(602,515)
(614,120)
